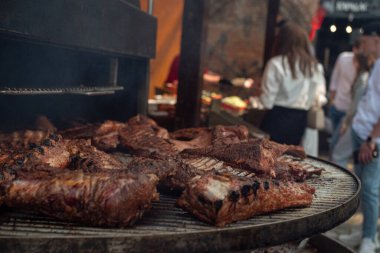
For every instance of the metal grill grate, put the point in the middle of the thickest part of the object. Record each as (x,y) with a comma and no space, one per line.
(89,91)
(167,228)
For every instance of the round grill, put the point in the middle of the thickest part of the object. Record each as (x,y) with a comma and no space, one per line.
(167,228)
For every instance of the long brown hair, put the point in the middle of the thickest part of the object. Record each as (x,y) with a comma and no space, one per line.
(293,43)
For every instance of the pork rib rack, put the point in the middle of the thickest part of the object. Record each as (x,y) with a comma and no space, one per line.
(112,198)
(220,199)
(257,155)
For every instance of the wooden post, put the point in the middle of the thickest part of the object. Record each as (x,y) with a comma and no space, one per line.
(273,7)
(191,67)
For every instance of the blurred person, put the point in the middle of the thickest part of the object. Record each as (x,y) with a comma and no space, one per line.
(291,81)
(171,82)
(342,79)
(342,151)
(366,141)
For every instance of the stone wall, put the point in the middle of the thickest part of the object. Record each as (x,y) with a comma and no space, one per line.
(236,33)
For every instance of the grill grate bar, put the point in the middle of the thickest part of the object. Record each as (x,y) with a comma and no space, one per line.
(333,188)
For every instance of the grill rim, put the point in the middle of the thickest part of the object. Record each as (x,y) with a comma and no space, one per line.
(250,236)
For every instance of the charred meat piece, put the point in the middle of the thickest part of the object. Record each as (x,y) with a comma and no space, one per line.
(58,153)
(181,176)
(224,135)
(106,137)
(288,169)
(22,139)
(143,121)
(257,155)
(80,132)
(192,138)
(142,136)
(162,168)
(98,199)
(51,151)
(188,168)
(84,156)
(220,199)
(188,134)
(148,145)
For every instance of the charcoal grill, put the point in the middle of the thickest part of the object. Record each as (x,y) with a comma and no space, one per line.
(167,228)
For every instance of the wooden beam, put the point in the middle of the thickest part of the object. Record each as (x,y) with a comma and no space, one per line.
(270,32)
(191,67)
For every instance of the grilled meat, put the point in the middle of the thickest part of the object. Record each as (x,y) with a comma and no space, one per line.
(225,135)
(107,198)
(201,137)
(22,139)
(58,153)
(289,169)
(86,157)
(257,155)
(188,134)
(162,168)
(145,145)
(286,169)
(142,136)
(220,199)
(80,132)
(181,175)
(145,122)
(106,136)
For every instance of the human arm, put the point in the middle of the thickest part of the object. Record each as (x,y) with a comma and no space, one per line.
(369,146)
(334,79)
(358,91)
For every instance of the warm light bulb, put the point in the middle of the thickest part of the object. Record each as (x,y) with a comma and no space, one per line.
(349,29)
(333,28)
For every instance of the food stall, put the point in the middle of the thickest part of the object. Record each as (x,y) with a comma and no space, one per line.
(67,70)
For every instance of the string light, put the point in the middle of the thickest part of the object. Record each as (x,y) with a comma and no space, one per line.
(349,29)
(333,28)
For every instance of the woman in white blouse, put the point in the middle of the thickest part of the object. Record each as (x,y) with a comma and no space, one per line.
(293,81)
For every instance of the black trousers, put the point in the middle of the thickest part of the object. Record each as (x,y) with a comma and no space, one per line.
(285,125)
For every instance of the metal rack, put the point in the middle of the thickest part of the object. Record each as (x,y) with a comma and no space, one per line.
(89,91)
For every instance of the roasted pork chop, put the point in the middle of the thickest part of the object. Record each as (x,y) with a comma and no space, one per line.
(220,199)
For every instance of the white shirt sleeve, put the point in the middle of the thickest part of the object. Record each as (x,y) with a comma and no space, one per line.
(336,74)
(270,85)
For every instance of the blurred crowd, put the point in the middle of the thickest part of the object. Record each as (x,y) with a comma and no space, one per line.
(293,90)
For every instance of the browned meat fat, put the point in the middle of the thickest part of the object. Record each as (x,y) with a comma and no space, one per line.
(99,199)
(220,199)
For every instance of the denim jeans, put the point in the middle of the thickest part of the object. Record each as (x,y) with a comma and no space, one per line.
(342,151)
(369,175)
(336,117)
